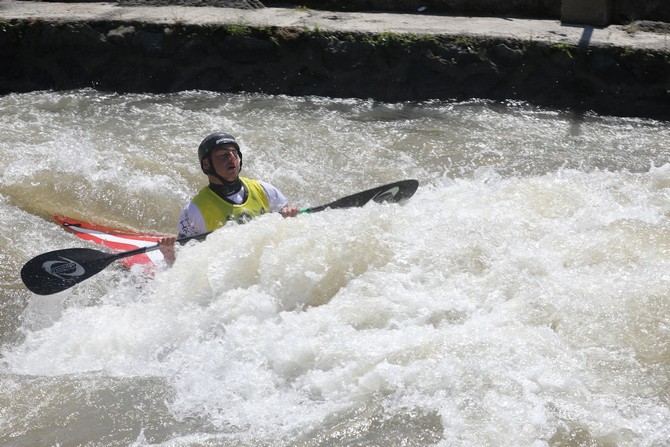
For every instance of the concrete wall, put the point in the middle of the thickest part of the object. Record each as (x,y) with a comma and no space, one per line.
(135,57)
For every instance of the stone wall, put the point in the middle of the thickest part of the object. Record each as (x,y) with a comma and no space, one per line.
(137,57)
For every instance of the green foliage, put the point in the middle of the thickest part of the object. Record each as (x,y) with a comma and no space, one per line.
(238,30)
(565,48)
(389,38)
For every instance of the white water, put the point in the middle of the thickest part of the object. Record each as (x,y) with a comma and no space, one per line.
(520,298)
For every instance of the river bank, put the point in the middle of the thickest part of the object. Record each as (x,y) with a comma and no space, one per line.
(616,70)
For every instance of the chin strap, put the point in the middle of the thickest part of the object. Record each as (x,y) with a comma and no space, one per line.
(227,189)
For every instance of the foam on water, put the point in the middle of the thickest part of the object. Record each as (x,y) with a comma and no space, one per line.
(484,311)
(518,299)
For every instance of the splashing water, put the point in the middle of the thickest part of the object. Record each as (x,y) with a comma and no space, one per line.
(519,298)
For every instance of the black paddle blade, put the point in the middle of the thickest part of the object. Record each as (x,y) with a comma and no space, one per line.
(61,269)
(393,192)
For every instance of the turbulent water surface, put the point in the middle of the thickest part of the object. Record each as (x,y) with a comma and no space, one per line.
(520,298)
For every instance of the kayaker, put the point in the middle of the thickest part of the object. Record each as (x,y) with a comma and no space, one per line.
(228,197)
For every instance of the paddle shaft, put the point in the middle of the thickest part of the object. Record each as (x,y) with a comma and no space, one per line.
(403,189)
(139,251)
(58,270)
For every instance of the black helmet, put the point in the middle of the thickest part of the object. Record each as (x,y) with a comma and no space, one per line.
(212,141)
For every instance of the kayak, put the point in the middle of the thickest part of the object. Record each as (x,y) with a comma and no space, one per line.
(117,240)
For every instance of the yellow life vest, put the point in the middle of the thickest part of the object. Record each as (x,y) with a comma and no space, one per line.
(217,211)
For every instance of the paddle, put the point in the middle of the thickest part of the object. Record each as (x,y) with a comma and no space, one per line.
(58,270)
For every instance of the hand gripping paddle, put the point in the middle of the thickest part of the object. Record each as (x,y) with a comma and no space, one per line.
(58,270)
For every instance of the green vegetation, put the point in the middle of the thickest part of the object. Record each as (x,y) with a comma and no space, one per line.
(565,48)
(389,38)
(238,30)
(465,41)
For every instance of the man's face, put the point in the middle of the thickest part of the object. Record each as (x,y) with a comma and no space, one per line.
(225,162)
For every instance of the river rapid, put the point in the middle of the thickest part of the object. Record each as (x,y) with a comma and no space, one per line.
(520,298)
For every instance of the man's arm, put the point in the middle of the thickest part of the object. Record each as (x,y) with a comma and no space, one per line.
(278,203)
(191,223)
